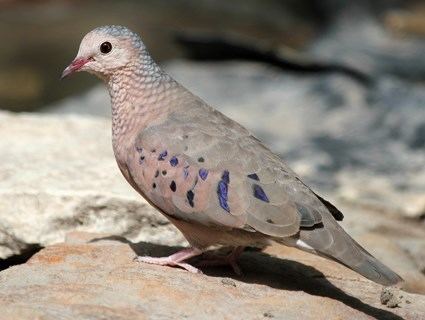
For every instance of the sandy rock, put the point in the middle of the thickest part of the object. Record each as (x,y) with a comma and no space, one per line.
(58,174)
(94,277)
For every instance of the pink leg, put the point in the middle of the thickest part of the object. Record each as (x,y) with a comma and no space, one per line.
(230,259)
(175,259)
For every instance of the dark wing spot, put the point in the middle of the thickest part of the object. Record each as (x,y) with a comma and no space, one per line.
(153,150)
(190,196)
(316,226)
(195,183)
(253,176)
(259,193)
(332,209)
(141,159)
(201,159)
(222,195)
(186,172)
(154,185)
(164,172)
(156,173)
(270,221)
(222,191)
(174,161)
(225,177)
(139,149)
(173,186)
(203,173)
(162,155)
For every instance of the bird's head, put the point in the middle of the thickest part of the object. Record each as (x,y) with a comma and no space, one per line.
(105,50)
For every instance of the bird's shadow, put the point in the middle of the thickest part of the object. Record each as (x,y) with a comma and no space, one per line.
(261,268)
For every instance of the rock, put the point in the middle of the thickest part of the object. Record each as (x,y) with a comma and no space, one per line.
(403,22)
(361,39)
(391,298)
(94,277)
(58,174)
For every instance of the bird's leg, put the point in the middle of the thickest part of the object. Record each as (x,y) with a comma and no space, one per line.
(175,259)
(230,259)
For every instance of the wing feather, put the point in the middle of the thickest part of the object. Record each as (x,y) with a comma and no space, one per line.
(212,171)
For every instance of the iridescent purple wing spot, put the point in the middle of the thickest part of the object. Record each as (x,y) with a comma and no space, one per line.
(174,161)
(222,190)
(225,177)
(186,172)
(203,173)
(259,193)
(162,155)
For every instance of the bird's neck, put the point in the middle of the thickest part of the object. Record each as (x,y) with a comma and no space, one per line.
(140,97)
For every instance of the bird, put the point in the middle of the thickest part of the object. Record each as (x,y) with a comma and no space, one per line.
(208,175)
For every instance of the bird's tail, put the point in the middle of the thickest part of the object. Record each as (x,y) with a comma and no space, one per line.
(331,241)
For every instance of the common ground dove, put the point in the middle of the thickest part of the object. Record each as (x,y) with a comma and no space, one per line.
(207,174)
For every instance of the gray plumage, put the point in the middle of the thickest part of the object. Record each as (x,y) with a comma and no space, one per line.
(206,173)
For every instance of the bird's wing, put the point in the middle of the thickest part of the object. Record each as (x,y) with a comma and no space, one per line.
(202,167)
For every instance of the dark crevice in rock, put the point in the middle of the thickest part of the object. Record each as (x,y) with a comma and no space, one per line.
(21,258)
(210,47)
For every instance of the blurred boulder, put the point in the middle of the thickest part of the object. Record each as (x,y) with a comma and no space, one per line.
(362,42)
(93,276)
(58,174)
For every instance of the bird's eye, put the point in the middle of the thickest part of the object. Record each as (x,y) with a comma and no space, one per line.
(106,47)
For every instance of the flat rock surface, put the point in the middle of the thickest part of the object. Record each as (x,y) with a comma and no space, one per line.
(94,277)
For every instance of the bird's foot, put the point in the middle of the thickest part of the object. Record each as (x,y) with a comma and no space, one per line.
(229,260)
(174,260)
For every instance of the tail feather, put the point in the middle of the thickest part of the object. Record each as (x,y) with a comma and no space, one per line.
(371,268)
(331,241)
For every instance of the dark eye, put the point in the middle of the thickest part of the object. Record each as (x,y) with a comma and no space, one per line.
(106,47)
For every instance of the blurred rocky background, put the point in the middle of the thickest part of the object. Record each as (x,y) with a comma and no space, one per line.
(336,87)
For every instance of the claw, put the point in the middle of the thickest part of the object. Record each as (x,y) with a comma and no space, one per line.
(229,260)
(174,260)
